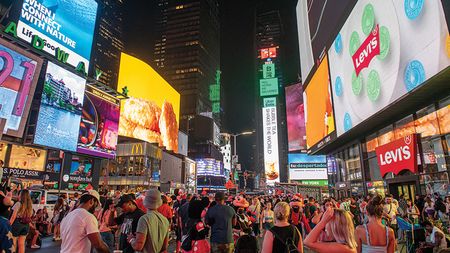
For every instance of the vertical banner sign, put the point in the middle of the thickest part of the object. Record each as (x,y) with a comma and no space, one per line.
(268,70)
(398,155)
(270,135)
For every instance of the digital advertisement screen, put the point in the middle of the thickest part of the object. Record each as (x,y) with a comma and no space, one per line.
(270,52)
(268,87)
(295,113)
(270,136)
(99,126)
(20,72)
(319,117)
(309,167)
(152,112)
(60,111)
(209,167)
(385,50)
(317,22)
(64,24)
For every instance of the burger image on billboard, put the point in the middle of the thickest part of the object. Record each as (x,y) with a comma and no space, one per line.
(385,49)
(151,112)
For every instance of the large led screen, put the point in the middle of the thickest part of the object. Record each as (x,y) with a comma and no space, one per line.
(317,22)
(270,136)
(64,24)
(295,113)
(99,126)
(19,74)
(209,167)
(319,117)
(60,111)
(151,113)
(385,49)
(307,167)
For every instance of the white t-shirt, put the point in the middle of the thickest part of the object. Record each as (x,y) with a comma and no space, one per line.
(75,228)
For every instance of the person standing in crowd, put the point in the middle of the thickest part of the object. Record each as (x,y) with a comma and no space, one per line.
(106,219)
(165,209)
(197,230)
(128,221)
(412,212)
(6,237)
(311,211)
(276,239)
(221,218)
(243,223)
(74,202)
(255,212)
(402,204)
(390,212)
(79,229)
(152,233)
(342,229)
(267,218)
(374,236)
(21,219)
(1,174)
(428,211)
(58,215)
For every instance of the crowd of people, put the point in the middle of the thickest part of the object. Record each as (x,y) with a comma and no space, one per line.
(147,221)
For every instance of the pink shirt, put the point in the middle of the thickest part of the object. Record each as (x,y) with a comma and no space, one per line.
(103,221)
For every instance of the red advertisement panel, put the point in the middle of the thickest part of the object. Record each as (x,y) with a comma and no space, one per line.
(398,155)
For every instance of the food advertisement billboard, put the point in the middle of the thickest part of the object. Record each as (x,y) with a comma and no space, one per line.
(60,110)
(152,112)
(270,136)
(317,22)
(319,117)
(62,25)
(307,167)
(295,113)
(385,50)
(20,72)
(99,126)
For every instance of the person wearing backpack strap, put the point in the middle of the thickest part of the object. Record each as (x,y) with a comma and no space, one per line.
(283,237)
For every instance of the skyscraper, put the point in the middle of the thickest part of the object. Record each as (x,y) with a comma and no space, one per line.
(108,42)
(186,51)
(272,24)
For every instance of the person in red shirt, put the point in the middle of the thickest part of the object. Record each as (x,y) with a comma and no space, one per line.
(165,209)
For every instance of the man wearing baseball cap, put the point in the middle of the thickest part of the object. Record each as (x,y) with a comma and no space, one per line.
(128,220)
(79,229)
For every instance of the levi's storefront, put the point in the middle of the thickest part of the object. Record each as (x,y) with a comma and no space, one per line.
(388,76)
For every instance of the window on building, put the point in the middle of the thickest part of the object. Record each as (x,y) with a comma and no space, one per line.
(27,158)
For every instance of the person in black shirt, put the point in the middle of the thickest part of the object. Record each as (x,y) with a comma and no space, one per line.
(127,221)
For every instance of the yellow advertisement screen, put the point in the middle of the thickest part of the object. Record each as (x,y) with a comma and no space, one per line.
(152,112)
(319,118)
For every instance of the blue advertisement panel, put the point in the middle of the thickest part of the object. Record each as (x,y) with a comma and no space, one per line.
(19,74)
(64,24)
(310,167)
(60,112)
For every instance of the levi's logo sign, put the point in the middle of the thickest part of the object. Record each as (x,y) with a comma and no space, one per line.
(397,155)
(367,51)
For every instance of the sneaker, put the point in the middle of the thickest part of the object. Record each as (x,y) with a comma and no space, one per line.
(58,239)
(35,246)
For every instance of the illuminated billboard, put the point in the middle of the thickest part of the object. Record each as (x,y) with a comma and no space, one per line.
(270,136)
(295,113)
(268,70)
(268,53)
(20,72)
(385,50)
(99,126)
(60,111)
(152,112)
(319,117)
(62,26)
(209,167)
(307,167)
(268,87)
(317,23)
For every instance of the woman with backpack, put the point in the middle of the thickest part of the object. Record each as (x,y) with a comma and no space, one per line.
(282,237)
(21,219)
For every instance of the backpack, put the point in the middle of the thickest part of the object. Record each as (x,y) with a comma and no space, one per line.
(290,241)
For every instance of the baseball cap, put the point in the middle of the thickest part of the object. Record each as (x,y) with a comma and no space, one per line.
(93,193)
(126,198)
